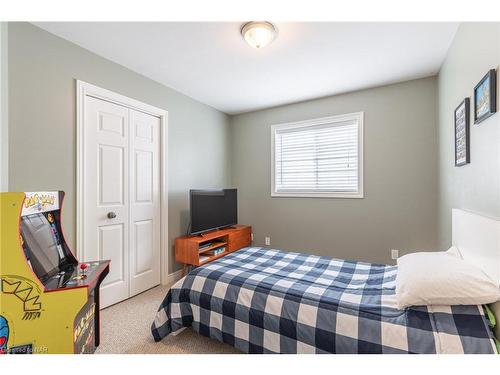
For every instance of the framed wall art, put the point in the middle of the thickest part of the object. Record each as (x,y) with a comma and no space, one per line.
(462,136)
(485,97)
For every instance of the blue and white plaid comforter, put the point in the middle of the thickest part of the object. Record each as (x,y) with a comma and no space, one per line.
(270,301)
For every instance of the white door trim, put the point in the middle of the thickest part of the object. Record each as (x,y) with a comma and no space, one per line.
(84,89)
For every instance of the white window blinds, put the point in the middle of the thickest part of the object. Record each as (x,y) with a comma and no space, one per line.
(320,157)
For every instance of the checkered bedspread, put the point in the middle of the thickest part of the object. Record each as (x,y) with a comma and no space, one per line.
(270,301)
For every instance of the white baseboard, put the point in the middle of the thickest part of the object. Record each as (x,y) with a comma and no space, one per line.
(173,277)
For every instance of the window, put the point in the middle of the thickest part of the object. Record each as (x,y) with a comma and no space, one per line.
(318,158)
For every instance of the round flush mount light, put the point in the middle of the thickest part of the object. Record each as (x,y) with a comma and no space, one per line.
(258,34)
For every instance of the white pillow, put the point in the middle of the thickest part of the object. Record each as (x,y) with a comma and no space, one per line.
(442,278)
(455,252)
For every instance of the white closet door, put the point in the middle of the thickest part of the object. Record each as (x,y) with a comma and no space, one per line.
(144,201)
(106,194)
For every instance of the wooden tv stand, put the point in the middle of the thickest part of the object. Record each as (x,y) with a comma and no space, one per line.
(188,252)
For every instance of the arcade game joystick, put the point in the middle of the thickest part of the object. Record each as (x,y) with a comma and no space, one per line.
(49,302)
(83,267)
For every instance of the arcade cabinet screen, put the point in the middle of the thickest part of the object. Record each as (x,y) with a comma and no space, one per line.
(42,245)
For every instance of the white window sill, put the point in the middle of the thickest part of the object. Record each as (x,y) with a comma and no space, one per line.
(317,195)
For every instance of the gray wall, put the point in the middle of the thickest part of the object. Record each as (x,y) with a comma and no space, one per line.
(399,210)
(42,73)
(4,128)
(476,186)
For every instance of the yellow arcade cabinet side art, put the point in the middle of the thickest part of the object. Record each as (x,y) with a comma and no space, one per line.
(49,302)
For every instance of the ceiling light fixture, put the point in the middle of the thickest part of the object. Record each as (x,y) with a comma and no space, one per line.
(258,34)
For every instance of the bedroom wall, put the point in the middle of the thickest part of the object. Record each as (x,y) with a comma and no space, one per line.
(399,210)
(4,129)
(42,73)
(476,186)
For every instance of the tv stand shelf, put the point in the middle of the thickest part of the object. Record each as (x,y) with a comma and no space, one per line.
(189,250)
(212,247)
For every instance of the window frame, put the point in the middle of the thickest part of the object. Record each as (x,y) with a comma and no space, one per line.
(356,116)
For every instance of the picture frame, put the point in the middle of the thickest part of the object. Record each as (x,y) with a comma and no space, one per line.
(462,133)
(485,97)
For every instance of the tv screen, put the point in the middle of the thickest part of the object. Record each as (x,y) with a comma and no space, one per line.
(213,209)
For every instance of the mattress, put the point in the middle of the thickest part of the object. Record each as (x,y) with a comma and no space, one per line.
(262,300)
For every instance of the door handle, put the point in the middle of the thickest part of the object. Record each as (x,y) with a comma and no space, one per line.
(111,215)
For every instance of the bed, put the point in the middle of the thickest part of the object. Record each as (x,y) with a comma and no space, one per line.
(262,300)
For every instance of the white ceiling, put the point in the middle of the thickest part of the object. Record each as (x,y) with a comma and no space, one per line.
(211,63)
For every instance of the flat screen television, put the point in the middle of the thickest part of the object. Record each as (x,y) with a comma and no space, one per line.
(212,209)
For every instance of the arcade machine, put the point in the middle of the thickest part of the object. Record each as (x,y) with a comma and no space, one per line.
(49,302)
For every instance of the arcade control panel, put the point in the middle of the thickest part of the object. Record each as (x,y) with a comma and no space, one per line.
(77,276)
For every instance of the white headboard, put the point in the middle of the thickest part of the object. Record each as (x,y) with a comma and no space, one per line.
(478,239)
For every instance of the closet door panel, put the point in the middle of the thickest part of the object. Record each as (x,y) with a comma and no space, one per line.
(106,194)
(144,201)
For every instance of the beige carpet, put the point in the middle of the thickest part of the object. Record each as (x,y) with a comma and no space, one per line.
(126,329)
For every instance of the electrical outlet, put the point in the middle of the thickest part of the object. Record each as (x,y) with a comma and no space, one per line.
(394,254)
(251,236)
(268,241)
